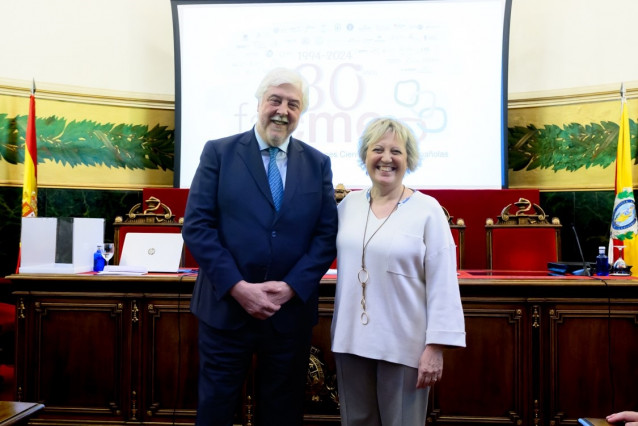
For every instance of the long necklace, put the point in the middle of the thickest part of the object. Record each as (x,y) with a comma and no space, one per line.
(363,274)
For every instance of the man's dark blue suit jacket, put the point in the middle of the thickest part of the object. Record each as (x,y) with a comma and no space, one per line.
(234,232)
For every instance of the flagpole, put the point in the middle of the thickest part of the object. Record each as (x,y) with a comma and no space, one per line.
(623,101)
(610,248)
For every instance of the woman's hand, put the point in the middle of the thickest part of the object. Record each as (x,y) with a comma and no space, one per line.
(430,366)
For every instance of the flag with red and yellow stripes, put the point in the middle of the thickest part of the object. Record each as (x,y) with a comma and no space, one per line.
(30,183)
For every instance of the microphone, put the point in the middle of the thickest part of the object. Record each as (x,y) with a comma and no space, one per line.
(585,270)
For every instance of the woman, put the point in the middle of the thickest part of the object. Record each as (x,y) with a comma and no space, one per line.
(397,301)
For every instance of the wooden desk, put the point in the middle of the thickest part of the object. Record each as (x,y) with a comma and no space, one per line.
(106,349)
(17,413)
(541,350)
(121,350)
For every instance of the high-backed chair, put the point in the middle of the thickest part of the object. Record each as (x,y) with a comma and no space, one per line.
(522,239)
(340,193)
(458,233)
(157,217)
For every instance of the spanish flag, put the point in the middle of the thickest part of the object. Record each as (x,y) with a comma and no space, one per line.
(30,183)
(624,229)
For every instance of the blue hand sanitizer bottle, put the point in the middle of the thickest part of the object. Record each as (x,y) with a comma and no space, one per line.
(98,260)
(602,263)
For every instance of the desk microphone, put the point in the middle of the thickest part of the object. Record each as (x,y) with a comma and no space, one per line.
(585,270)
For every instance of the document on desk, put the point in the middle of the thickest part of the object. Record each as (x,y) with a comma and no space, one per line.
(124,270)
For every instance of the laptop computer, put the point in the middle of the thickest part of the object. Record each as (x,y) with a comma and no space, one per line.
(157,252)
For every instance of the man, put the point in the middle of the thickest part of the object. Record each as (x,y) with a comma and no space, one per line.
(260,263)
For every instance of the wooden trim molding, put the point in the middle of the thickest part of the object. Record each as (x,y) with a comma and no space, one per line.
(88,95)
(581,95)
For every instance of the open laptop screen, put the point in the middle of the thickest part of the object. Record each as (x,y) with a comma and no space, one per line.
(158,252)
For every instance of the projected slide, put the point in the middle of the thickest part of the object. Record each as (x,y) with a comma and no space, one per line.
(436,65)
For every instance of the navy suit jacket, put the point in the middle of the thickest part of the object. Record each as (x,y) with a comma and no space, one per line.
(234,232)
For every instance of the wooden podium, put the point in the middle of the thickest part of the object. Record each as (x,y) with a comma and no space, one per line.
(540,350)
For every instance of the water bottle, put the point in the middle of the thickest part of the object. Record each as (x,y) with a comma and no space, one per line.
(602,263)
(98,260)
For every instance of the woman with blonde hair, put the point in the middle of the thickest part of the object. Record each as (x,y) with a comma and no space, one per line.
(397,301)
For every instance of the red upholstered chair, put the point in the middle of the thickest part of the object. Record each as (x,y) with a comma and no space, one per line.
(522,239)
(157,217)
(458,233)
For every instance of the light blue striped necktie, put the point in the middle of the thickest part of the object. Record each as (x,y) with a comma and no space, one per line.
(274,178)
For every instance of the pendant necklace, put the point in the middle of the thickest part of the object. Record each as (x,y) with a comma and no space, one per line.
(363,273)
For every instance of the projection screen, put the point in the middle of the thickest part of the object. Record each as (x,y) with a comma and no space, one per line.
(440,66)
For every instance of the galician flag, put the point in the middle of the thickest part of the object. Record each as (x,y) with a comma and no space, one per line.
(30,183)
(624,228)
